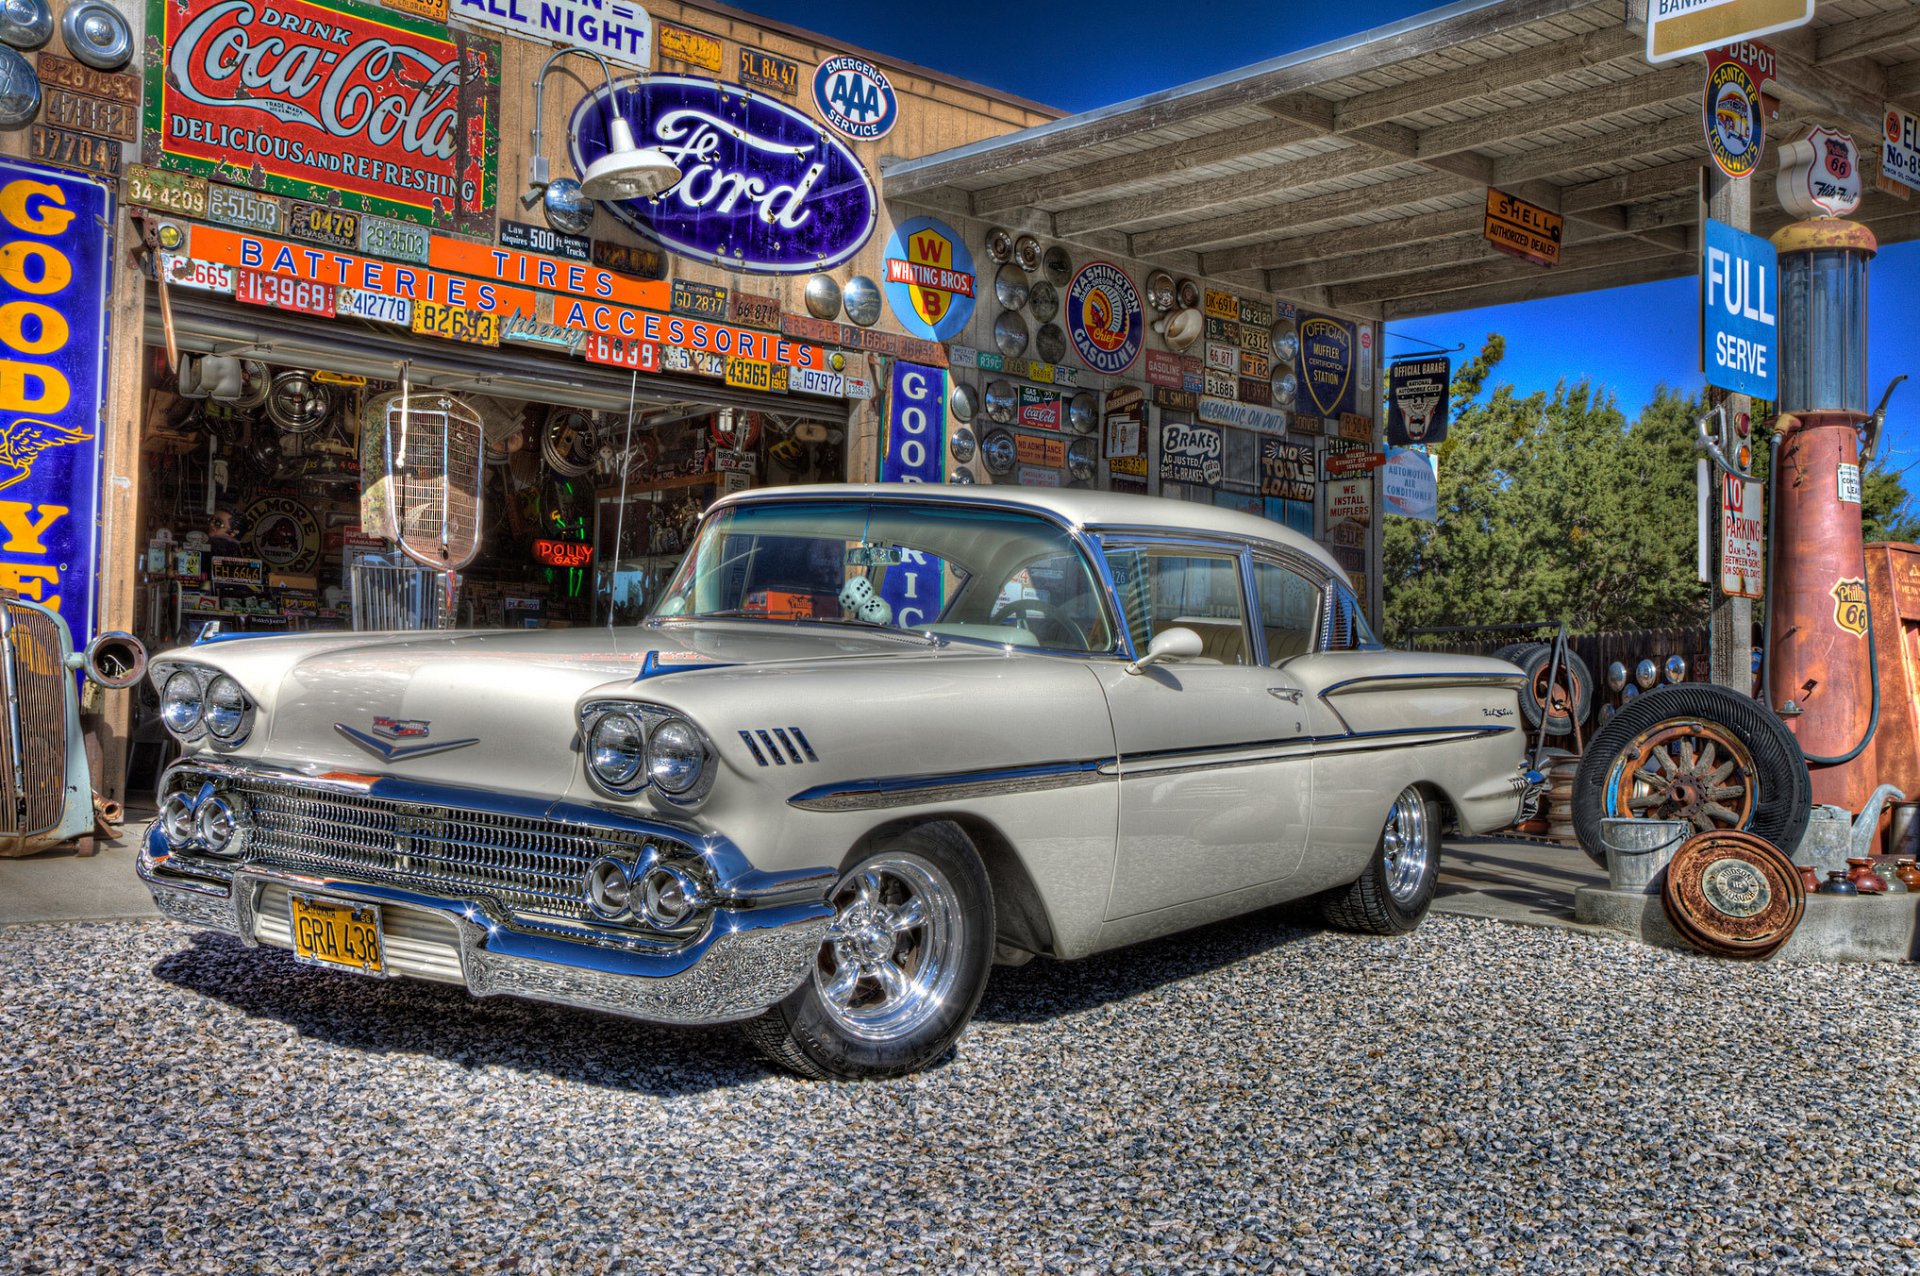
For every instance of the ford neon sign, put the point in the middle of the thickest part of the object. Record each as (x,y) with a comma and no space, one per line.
(762,188)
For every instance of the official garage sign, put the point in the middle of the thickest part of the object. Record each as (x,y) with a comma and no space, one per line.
(761,187)
(930,280)
(1104,316)
(306,98)
(855,98)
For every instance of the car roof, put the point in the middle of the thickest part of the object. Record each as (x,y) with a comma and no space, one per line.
(1078,507)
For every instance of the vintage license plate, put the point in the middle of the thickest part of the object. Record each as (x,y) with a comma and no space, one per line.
(456,323)
(65,148)
(57,72)
(337,932)
(707,301)
(621,352)
(754,311)
(400,241)
(376,307)
(157,188)
(749,374)
(92,114)
(811,381)
(629,259)
(232,206)
(765,71)
(258,288)
(701,363)
(185,272)
(323,225)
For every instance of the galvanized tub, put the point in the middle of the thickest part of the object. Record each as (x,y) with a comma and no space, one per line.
(1638,851)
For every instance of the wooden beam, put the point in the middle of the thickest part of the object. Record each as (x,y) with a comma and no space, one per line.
(1392,139)
(1608,44)
(1193,197)
(1631,188)
(1299,215)
(1608,148)
(1876,33)
(1850,95)
(1292,251)
(1547,284)
(1588,106)
(1085,181)
(1288,74)
(1606,253)
(1903,82)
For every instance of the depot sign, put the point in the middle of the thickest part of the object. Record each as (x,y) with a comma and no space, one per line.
(1738,302)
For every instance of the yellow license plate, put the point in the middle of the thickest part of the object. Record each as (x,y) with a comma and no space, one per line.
(334,932)
(456,323)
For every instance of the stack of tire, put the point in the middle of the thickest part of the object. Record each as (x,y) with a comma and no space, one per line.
(1536,661)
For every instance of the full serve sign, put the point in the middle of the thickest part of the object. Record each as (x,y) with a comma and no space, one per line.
(1738,301)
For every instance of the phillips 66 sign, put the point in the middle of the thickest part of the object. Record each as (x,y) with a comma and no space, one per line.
(306,98)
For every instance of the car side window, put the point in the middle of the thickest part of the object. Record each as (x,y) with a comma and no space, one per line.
(1164,586)
(1346,626)
(1289,607)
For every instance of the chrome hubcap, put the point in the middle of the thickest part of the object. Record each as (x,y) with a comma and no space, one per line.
(1409,848)
(889,961)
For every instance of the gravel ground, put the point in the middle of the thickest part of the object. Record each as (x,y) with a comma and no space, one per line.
(1255,1096)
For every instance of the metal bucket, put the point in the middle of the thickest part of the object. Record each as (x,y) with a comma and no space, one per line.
(1638,851)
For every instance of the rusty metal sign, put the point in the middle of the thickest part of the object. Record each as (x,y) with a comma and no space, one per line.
(630,259)
(89,114)
(684,44)
(752,310)
(1523,230)
(765,71)
(66,149)
(320,224)
(57,72)
(1733,894)
(174,192)
(233,206)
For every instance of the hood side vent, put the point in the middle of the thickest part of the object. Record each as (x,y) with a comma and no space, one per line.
(777,746)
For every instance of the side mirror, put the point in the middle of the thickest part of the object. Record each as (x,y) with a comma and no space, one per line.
(1177,643)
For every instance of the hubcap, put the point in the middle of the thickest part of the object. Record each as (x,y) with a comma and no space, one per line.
(1409,849)
(890,959)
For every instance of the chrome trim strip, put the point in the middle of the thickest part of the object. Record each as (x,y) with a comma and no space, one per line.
(808,748)
(780,734)
(753,748)
(399,752)
(915,790)
(772,750)
(653,667)
(1444,679)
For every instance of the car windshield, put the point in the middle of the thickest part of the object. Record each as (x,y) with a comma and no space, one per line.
(994,575)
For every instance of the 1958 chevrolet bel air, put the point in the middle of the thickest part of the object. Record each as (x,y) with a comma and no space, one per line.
(871,740)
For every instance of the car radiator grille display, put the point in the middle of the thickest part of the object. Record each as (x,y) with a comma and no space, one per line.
(33,745)
(532,868)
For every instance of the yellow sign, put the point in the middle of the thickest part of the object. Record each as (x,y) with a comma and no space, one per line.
(749,374)
(1676,28)
(1525,230)
(1850,605)
(336,933)
(695,48)
(339,378)
(456,323)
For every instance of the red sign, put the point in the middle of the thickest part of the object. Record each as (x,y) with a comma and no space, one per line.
(562,553)
(1163,368)
(259,288)
(1355,462)
(621,352)
(324,96)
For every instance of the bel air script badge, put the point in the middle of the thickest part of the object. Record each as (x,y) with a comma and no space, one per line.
(399,730)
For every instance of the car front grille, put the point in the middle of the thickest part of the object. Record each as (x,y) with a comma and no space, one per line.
(33,742)
(533,868)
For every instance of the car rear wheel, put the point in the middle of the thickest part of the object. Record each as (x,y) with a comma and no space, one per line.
(1393,894)
(898,977)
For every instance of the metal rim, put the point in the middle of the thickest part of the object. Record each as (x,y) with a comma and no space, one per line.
(1685,769)
(892,956)
(1408,846)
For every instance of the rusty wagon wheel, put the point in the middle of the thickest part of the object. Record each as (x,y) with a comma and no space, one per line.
(1698,753)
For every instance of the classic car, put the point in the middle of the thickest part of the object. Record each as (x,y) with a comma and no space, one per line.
(46,780)
(870,741)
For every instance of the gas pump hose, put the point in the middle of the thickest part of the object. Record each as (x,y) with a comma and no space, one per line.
(1766,643)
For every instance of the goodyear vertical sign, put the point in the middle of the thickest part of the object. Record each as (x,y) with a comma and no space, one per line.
(916,453)
(54,279)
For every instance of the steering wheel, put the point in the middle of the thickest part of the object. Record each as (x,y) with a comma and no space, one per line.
(1008,614)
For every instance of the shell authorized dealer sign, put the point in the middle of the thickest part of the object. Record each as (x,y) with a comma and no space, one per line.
(399,115)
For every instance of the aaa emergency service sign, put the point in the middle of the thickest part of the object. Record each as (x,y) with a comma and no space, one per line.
(305,98)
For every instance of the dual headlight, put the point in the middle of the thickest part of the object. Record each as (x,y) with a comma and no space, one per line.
(210,822)
(196,702)
(665,896)
(630,747)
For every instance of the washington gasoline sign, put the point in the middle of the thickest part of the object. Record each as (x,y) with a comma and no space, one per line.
(1738,304)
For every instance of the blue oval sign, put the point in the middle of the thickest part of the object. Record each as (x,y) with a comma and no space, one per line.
(855,98)
(761,187)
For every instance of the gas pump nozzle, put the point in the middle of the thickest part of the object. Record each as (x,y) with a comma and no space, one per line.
(1871,426)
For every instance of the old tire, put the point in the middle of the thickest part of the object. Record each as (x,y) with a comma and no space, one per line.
(1699,753)
(1536,661)
(900,973)
(1393,894)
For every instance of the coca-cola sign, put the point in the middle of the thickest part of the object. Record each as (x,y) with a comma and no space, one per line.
(762,188)
(333,101)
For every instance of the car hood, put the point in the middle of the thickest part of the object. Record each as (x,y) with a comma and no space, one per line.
(497,703)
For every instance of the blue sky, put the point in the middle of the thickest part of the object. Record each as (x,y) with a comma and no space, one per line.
(1077,56)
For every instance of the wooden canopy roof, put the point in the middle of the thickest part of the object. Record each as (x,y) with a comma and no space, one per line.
(1354,175)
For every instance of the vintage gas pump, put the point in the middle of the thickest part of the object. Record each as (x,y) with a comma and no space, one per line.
(1821,674)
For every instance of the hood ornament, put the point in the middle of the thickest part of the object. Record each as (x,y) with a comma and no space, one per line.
(395,731)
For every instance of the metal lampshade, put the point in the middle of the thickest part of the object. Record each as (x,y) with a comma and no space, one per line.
(626,171)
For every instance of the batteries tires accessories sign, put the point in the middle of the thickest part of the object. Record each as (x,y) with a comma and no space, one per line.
(1104,317)
(855,98)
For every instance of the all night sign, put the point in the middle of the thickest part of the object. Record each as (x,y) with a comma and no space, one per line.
(307,97)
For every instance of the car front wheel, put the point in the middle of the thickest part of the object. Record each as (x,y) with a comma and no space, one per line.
(902,967)
(1392,895)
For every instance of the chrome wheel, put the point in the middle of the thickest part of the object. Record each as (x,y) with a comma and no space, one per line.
(891,958)
(1408,847)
